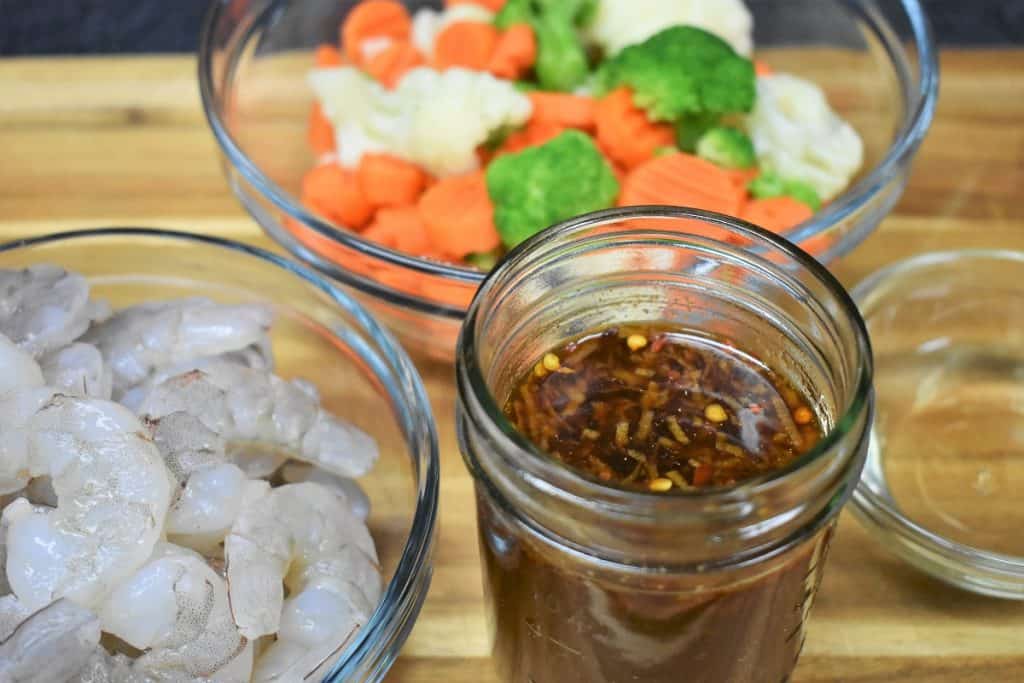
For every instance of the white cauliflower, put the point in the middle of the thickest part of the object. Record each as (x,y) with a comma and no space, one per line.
(428,23)
(797,135)
(433,119)
(618,23)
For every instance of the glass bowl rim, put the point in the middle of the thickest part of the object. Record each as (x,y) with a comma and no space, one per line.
(406,589)
(914,126)
(963,565)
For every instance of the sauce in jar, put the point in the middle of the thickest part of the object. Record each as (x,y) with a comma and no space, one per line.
(649,408)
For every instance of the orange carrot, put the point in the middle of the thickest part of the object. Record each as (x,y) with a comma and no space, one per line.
(762,68)
(536,133)
(389,65)
(468,44)
(515,52)
(682,180)
(493,5)
(459,215)
(624,131)
(400,229)
(741,177)
(374,19)
(389,181)
(777,214)
(334,192)
(565,109)
(321,133)
(328,56)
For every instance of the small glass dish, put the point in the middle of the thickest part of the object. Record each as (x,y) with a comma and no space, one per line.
(875,59)
(945,467)
(322,335)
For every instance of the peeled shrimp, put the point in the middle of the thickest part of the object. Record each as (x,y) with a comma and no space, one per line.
(175,608)
(18,370)
(51,645)
(349,489)
(212,499)
(305,536)
(112,490)
(103,667)
(243,404)
(140,340)
(77,369)
(44,307)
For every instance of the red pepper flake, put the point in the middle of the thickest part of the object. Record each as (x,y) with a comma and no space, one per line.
(702,474)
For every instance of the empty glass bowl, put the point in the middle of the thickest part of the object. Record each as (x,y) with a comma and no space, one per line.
(874,58)
(319,334)
(945,467)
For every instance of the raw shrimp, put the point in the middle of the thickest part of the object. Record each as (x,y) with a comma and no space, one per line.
(349,489)
(305,536)
(103,667)
(175,608)
(258,461)
(212,499)
(18,370)
(243,404)
(140,340)
(44,307)
(51,645)
(112,492)
(77,369)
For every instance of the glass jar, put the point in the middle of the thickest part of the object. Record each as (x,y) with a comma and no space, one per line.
(590,583)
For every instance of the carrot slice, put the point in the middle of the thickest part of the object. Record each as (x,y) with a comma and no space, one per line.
(389,181)
(565,109)
(493,5)
(536,133)
(321,133)
(625,132)
(467,44)
(515,52)
(459,215)
(777,214)
(682,180)
(400,229)
(327,56)
(389,65)
(374,19)
(334,192)
(741,178)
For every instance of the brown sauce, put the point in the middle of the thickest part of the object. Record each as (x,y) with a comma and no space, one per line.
(650,409)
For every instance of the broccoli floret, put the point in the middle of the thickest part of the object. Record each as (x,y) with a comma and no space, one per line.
(692,128)
(727,147)
(541,186)
(769,184)
(561,59)
(682,70)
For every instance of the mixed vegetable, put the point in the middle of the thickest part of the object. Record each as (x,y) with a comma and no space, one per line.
(456,134)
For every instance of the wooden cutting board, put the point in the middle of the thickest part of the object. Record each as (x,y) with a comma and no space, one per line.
(122,141)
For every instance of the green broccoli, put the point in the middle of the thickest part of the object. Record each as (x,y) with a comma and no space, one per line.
(561,59)
(485,260)
(682,70)
(727,147)
(769,184)
(692,127)
(541,186)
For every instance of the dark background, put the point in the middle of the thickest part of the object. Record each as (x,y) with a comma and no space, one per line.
(104,26)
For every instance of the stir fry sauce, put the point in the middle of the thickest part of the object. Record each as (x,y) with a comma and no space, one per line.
(651,408)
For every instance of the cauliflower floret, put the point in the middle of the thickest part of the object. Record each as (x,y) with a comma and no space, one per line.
(797,135)
(618,23)
(433,119)
(428,23)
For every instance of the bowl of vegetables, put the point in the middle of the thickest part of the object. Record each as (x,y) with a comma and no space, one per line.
(404,148)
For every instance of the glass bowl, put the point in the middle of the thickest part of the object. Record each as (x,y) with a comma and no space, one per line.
(875,59)
(945,468)
(324,336)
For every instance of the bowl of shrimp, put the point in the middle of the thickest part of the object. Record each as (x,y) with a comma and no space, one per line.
(403,148)
(214,465)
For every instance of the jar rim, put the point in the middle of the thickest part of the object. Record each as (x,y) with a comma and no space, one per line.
(470,374)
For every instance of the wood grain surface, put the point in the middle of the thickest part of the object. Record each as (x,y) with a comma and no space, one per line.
(122,141)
